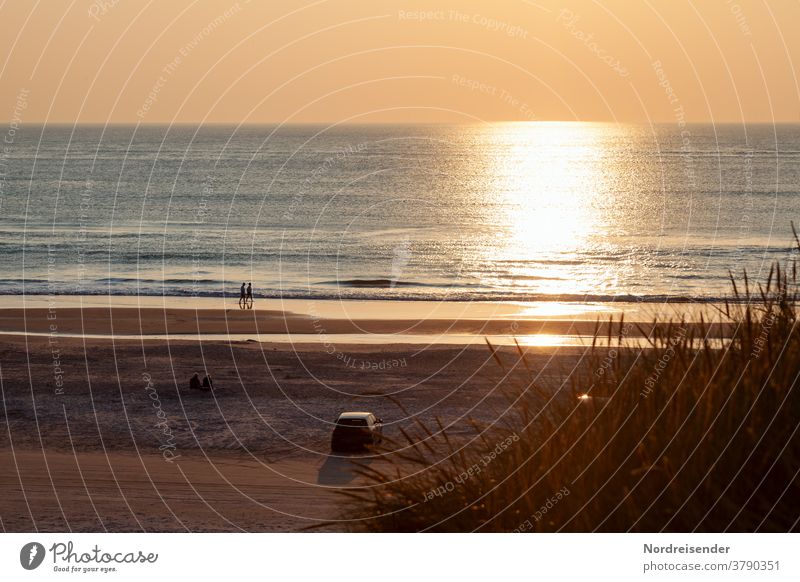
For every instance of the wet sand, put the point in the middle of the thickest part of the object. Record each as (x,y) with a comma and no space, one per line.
(153,320)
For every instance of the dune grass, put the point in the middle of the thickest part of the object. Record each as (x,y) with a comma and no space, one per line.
(686,435)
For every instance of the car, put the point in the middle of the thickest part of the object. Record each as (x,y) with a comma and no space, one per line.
(356,431)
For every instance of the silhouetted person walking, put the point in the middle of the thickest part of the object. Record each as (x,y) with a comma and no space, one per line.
(242,297)
(249,297)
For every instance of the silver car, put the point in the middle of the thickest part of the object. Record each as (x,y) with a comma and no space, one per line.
(356,431)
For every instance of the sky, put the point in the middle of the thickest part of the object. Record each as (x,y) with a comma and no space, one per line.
(335,61)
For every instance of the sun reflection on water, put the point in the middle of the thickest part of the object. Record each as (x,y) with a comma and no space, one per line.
(551,176)
(552,202)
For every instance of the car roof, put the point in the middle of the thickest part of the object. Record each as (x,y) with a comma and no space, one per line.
(355,414)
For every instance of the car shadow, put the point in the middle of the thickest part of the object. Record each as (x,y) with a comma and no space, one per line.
(340,470)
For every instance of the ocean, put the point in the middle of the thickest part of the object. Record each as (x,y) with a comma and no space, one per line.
(509,211)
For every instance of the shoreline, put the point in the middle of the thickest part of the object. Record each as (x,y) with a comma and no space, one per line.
(600,303)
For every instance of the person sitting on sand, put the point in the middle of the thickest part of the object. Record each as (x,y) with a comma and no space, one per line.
(207,383)
(194,382)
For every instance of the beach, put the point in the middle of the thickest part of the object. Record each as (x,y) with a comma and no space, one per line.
(103,433)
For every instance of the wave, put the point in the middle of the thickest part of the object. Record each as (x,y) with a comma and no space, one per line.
(376,283)
(443,295)
(133,280)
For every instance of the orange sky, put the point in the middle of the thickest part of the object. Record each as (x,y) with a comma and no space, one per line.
(377,61)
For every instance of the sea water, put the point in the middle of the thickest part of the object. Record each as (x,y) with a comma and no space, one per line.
(509,211)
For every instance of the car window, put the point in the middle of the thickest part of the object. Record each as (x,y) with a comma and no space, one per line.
(352,422)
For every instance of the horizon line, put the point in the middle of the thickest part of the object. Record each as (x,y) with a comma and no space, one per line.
(35,123)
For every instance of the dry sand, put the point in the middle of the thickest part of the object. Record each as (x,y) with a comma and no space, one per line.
(104,434)
(119,491)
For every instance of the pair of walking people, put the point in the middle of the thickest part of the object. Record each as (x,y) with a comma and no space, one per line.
(246,296)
